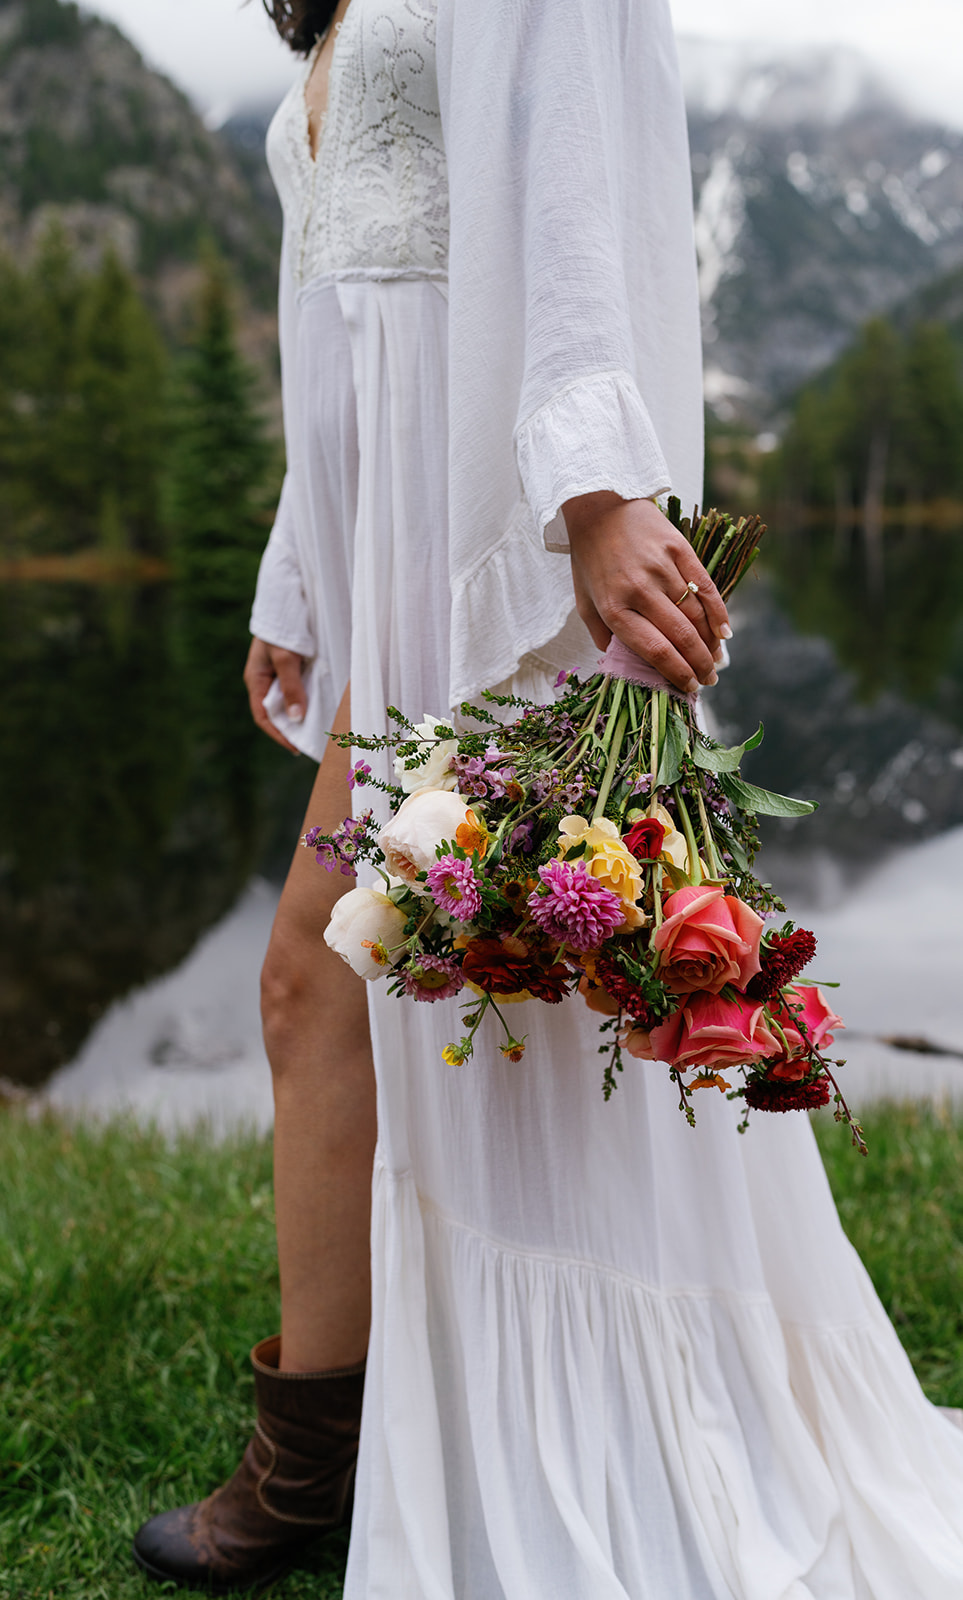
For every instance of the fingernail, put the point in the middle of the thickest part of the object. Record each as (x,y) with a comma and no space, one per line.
(725,632)
(717,653)
(294,713)
(692,687)
(712,679)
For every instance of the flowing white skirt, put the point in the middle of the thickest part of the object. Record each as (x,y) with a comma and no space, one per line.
(611,1356)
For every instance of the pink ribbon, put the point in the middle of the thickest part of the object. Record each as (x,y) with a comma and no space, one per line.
(621,662)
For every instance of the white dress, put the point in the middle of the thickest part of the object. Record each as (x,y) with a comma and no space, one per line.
(610,1356)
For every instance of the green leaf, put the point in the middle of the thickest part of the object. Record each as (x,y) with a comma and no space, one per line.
(762,801)
(674,747)
(717,758)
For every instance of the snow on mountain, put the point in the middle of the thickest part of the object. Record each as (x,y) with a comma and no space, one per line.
(821,199)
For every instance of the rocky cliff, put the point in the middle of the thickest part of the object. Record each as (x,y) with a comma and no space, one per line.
(93,138)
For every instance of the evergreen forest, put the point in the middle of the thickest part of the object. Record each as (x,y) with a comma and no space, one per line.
(882,428)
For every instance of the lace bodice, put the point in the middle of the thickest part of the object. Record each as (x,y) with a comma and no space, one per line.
(376,195)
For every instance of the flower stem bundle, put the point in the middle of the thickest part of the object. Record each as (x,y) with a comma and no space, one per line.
(599,847)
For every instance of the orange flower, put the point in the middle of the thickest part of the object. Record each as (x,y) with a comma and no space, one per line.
(710,1080)
(472,835)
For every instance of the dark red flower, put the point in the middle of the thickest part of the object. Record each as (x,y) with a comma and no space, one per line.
(507,967)
(613,980)
(645,839)
(782,958)
(770,1094)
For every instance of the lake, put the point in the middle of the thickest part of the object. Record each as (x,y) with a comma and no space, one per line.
(145,825)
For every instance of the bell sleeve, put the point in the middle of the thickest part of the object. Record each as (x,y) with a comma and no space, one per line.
(281,614)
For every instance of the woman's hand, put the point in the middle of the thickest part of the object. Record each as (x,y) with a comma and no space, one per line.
(265,662)
(630,568)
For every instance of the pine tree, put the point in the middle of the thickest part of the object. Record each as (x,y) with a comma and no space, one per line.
(220,459)
(117,448)
(220,472)
(932,441)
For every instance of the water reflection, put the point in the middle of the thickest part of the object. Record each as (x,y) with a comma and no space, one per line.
(135,800)
(861,694)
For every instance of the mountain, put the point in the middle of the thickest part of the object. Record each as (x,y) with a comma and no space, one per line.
(92,138)
(820,201)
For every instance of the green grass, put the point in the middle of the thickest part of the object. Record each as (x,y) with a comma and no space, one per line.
(135,1275)
(134,1278)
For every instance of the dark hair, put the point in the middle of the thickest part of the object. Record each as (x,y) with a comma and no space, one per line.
(301,22)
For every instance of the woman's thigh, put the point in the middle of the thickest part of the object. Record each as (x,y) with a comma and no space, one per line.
(299,969)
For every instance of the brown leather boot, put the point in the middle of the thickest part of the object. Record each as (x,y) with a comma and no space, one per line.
(295,1482)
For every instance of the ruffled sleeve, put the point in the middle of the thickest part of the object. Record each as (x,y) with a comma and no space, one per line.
(281,614)
(594,434)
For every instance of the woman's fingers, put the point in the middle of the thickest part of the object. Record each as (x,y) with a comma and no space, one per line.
(259,674)
(287,669)
(632,573)
(691,570)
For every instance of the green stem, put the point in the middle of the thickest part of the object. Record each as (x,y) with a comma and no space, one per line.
(695,870)
(615,750)
(715,865)
(657,699)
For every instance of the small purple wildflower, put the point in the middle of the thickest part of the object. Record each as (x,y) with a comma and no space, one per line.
(577,910)
(563,677)
(311,837)
(522,838)
(326,856)
(359,774)
(454,888)
(433,978)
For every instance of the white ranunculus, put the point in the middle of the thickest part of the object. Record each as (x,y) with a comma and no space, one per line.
(410,840)
(361,920)
(436,772)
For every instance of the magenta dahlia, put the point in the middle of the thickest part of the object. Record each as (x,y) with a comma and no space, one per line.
(577,910)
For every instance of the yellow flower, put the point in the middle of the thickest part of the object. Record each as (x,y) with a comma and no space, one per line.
(454,1055)
(674,847)
(608,860)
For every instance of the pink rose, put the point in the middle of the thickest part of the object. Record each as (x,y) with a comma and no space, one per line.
(806,1011)
(707,1031)
(707,939)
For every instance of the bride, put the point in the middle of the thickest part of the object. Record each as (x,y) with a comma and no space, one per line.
(610,1356)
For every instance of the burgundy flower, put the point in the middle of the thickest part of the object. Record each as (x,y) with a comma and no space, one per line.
(613,980)
(782,958)
(771,1094)
(508,967)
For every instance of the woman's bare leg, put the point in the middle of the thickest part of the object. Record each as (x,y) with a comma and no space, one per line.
(315,1015)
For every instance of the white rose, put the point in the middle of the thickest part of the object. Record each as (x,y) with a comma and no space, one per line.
(362,919)
(436,772)
(410,840)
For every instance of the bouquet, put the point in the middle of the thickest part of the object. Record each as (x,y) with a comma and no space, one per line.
(599,847)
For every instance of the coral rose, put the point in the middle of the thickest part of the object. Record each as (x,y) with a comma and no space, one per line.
(424,821)
(707,939)
(808,1013)
(707,1031)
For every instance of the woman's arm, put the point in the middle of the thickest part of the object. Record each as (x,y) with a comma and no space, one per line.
(574,303)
